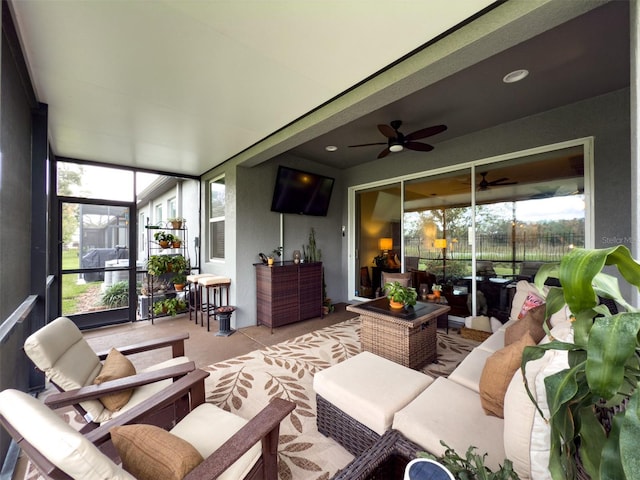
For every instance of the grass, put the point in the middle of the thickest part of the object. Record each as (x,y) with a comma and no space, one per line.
(70,288)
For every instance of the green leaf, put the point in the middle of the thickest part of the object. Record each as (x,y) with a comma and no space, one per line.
(592,440)
(612,341)
(629,435)
(577,270)
(611,463)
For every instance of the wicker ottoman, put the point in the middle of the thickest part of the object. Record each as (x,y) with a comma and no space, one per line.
(357,398)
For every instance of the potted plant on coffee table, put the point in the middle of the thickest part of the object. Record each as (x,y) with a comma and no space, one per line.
(400,296)
(594,404)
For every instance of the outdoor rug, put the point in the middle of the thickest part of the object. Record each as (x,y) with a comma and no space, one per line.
(246,383)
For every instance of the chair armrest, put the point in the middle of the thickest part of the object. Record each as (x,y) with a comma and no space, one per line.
(264,426)
(191,384)
(176,343)
(92,392)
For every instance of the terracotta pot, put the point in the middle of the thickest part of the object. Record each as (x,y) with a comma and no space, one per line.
(176,244)
(178,286)
(176,225)
(437,294)
(396,305)
(163,243)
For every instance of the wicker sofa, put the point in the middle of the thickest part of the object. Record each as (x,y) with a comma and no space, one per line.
(465,409)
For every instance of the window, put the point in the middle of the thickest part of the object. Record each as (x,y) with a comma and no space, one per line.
(216,218)
(158,215)
(172,212)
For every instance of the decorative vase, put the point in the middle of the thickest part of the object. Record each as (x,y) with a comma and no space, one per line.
(270,261)
(396,305)
(296,256)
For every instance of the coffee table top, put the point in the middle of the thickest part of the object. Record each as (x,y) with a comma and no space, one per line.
(380,307)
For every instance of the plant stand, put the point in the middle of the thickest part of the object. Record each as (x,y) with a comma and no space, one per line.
(224,317)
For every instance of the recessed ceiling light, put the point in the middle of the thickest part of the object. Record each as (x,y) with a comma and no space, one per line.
(331,148)
(515,76)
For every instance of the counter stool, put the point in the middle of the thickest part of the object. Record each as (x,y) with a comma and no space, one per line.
(194,293)
(213,286)
(224,317)
(357,398)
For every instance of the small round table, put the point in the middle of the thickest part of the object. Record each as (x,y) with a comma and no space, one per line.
(224,317)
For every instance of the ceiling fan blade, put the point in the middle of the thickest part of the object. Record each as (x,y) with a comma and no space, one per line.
(421,147)
(384,153)
(367,144)
(387,131)
(499,180)
(426,132)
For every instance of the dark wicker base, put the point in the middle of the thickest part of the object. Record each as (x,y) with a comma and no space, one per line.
(386,459)
(351,434)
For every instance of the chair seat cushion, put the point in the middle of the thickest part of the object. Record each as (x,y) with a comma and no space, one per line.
(450,412)
(219,425)
(150,453)
(369,388)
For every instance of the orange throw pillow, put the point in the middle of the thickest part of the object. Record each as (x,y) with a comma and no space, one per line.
(116,366)
(151,453)
(497,373)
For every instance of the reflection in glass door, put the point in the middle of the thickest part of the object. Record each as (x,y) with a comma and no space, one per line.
(378,238)
(95,263)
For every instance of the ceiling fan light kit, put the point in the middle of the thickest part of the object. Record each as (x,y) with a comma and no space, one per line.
(397,142)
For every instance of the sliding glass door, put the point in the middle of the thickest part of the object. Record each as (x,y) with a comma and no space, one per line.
(476,229)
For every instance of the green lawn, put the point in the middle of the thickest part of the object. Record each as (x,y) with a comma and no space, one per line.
(70,288)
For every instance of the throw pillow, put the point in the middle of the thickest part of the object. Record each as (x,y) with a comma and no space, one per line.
(116,366)
(530,302)
(497,373)
(532,323)
(150,453)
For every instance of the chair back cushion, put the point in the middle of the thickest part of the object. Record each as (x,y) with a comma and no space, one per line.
(403,278)
(57,441)
(65,357)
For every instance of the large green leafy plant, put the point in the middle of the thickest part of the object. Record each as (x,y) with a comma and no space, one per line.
(593,405)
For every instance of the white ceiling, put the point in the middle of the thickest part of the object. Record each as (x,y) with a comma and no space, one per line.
(181,86)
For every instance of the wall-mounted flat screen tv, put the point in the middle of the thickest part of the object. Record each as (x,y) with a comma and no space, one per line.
(301,192)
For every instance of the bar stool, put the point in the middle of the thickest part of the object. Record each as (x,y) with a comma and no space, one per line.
(213,286)
(194,293)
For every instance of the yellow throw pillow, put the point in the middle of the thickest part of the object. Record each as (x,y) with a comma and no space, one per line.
(116,366)
(497,373)
(532,322)
(151,453)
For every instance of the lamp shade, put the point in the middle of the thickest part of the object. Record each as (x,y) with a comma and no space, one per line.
(440,243)
(385,243)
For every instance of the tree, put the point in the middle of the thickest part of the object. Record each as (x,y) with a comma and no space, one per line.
(69,174)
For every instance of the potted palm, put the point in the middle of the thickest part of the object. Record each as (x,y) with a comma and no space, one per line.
(594,406)
(400,296)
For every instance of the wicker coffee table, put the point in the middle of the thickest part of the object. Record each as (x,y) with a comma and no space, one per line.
(406,336)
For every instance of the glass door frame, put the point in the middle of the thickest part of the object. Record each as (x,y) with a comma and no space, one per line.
(113,316)
(352,254)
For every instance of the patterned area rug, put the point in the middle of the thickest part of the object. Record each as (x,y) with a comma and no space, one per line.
(245,384)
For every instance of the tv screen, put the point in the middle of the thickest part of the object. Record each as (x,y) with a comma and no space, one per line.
(301,192)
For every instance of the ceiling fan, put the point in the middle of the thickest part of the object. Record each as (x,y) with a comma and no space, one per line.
(486,184)
(397,141)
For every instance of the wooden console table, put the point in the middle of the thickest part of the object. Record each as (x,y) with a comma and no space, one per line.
(406,336)
(288,292)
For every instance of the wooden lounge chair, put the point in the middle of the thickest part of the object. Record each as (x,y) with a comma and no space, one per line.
(232,448)
(60,350)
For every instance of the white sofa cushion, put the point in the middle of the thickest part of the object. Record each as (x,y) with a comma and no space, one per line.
(369,388)
(526,433)
(494,343)
(469,371)
(450,412)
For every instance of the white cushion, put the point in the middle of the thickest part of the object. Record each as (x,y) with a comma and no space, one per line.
(469,371)
(56,440)
(450,412)
(526,433)
(207,427)
(60,351)
(494,343)
(495,324)
(370,389)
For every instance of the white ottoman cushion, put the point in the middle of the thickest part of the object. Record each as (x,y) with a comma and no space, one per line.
(370,389)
